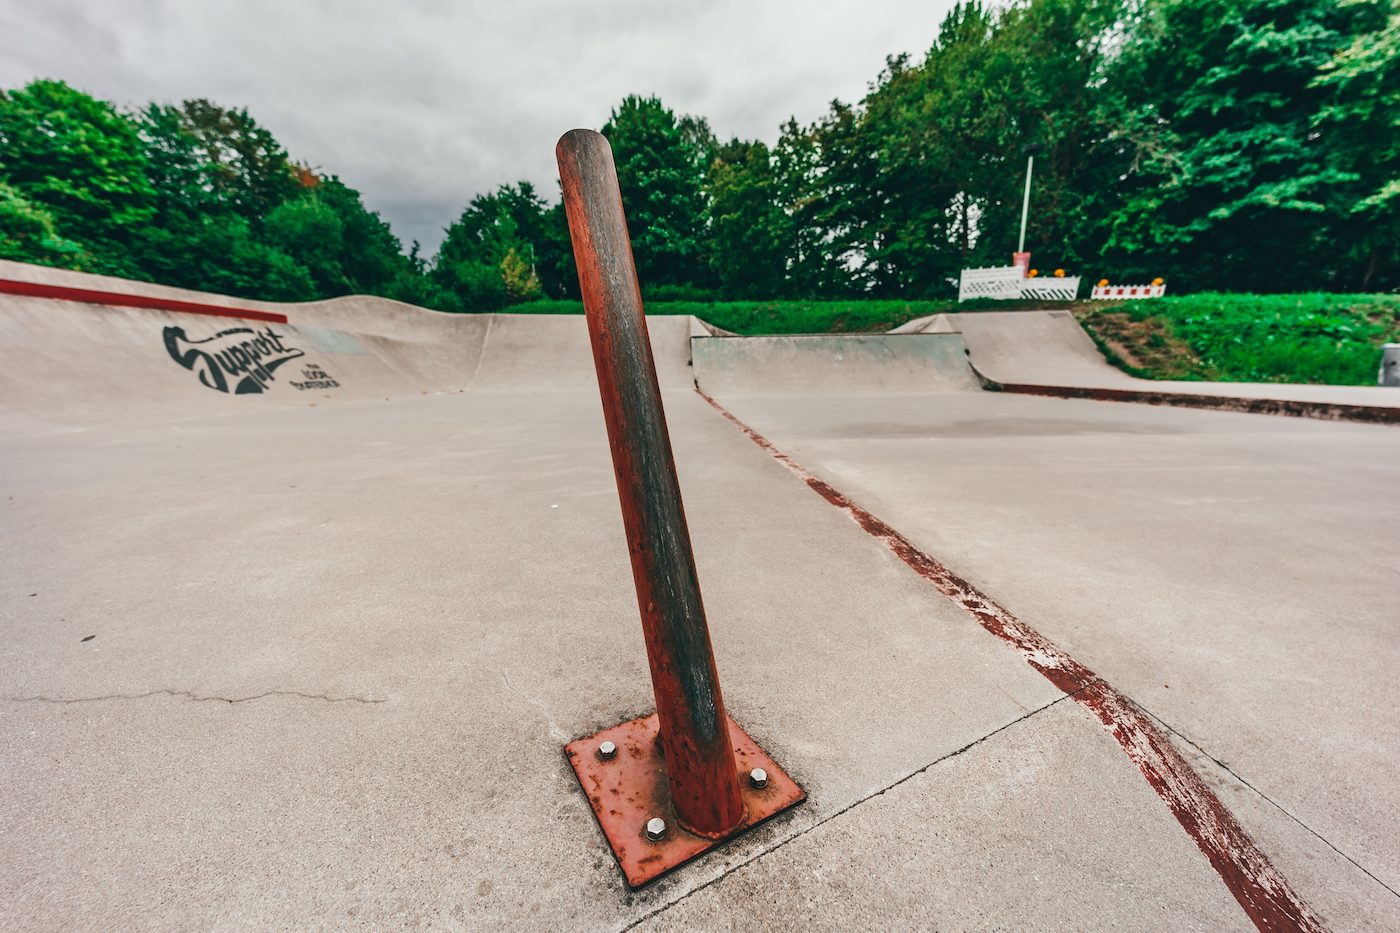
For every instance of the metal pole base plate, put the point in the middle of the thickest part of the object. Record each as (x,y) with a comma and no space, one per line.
(631,788)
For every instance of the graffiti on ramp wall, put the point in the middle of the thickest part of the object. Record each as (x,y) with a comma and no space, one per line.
(243,357)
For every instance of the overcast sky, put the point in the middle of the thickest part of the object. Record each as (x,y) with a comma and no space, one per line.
(420,104)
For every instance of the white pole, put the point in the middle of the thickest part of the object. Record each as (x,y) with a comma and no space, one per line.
(1026,204)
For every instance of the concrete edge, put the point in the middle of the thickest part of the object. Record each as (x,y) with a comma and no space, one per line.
(1325,411)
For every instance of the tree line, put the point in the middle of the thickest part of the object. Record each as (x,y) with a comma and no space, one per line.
(1233,145)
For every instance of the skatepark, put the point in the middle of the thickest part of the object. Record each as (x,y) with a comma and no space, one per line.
(294,639)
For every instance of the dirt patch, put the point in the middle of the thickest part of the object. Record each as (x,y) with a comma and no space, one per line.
(1147,347)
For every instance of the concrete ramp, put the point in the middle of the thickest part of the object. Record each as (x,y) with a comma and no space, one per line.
(1048,353)
(831,365)
(67,362)
(1026,347)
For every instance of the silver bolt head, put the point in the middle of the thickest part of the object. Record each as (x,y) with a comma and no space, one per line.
(758,778)
(607,750)
(656,828)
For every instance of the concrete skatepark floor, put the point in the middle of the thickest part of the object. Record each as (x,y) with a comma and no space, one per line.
(291,661)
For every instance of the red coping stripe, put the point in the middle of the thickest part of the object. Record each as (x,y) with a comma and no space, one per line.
(1260,888)
(65,293)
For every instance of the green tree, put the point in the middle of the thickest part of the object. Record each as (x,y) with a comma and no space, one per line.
(1235,180)
(27,234)
(224,254)
(924,177)
(222,179)
(750,232)
(81,162)
(346,248)
(661,163)
(489,258)
(207,159)
(1361,125)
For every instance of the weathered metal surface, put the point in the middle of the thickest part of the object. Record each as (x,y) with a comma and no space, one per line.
(703,781)
(631,788)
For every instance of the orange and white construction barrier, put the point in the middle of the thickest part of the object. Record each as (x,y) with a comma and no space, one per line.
(1105,292)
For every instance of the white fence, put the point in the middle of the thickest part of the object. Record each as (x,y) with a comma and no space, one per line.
(1010,282)
(998,282)
(1120,292)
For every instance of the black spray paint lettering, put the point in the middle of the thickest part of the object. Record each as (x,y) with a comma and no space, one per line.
(230,354)
(316,378)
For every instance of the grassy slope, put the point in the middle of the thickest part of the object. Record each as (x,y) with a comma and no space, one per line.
(1257,338)
(1332,339)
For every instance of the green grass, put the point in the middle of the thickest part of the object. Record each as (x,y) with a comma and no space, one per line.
(1314,338)
(1317,338)
(752,318)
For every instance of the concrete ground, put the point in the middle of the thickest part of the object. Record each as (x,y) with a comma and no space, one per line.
(306,660)
(1226,571)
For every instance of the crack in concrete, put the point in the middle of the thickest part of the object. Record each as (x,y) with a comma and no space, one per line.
(193,697)
(555,732)
(730,869)
(1269,800)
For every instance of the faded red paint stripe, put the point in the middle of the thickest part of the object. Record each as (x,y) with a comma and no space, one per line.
(1326,411)
(1260,888)
(64,293)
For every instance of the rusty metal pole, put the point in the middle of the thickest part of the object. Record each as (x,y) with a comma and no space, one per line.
(693,726)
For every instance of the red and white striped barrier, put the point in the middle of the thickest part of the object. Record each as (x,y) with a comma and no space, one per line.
(1120,292)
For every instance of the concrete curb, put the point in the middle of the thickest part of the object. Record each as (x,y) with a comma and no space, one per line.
(1325,411)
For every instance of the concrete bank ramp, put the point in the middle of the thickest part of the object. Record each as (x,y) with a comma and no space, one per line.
(74,362)
(1027,347)
(858,364)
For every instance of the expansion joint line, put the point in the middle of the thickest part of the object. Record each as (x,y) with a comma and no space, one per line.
(1261,890)
(1028,714)
(1270,801)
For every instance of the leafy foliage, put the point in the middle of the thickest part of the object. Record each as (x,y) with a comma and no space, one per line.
(750,232)
(196,196)
(661,163)
(81,163)
(27,234)
(1248,189)
(493,253)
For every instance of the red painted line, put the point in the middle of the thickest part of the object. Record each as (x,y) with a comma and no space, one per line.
(1260,888)
(1327,411)
(64,293)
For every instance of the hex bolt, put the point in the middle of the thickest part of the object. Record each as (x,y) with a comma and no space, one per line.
(656,829)
(758,778)
(607,751)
